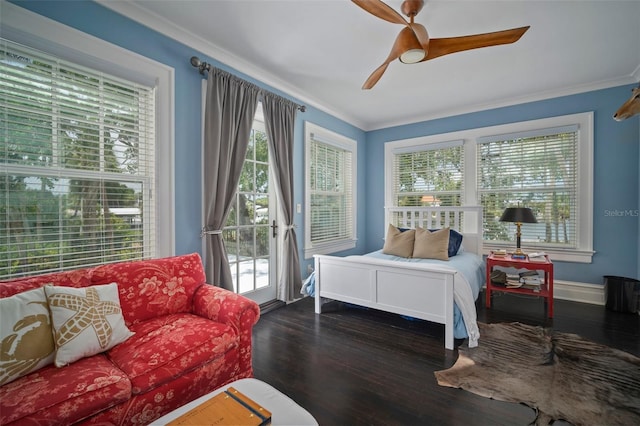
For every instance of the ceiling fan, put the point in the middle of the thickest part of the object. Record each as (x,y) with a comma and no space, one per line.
(413,44)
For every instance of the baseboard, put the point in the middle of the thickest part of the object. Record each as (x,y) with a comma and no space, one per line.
(270,306)
(578,292)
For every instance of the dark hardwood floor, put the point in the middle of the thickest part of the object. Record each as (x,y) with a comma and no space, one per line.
(351,366)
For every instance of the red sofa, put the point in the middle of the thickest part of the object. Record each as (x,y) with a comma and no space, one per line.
(190,338)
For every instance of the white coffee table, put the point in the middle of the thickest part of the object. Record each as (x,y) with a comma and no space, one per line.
(284,411)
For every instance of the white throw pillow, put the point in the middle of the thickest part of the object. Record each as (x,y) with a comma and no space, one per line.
(25,334)
(86,321)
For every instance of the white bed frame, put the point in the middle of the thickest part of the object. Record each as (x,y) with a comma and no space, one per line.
(412,289)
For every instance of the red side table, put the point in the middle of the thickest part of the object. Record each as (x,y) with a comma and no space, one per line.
(546,288)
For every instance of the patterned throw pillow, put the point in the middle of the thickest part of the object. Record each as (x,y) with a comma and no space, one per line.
(431,245)
(25,335)
(86,321)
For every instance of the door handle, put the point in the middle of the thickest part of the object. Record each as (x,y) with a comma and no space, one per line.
(274,227)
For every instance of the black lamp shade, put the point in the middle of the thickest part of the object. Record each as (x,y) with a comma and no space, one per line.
(518,215)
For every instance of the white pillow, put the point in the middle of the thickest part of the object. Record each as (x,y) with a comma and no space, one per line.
(25,334)
(86,321)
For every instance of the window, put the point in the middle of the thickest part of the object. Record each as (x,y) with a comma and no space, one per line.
(538,170)
(330,199)
(85,125)
(429,175)
(545,164)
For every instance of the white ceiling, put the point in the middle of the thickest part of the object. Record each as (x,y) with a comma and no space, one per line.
(322,51)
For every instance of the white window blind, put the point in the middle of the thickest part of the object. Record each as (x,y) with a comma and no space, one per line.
(76,165)
(429,175)
(536,169)
(331,187)
(330,199)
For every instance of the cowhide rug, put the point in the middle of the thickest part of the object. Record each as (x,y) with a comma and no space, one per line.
(560,375)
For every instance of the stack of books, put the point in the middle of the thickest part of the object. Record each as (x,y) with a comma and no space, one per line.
(528,279)
(500,253)
(531,280)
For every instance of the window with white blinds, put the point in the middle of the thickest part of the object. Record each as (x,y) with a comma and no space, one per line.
(77,165)
(536,169)
(545,164)
(330,192)
(429,175)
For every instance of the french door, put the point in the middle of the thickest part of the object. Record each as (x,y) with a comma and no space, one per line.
(250,234)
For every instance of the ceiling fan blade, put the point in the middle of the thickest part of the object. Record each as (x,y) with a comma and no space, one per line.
(381,10)
(445,46)
(396,50)
(375,76)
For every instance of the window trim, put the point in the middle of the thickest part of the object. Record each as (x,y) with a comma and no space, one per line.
(342,142)
(584,251)
(84,49)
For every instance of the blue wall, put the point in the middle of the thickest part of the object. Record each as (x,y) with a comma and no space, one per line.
(103,23)
(615,239)
(616,152)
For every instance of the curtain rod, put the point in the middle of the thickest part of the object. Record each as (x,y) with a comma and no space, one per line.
(203,66)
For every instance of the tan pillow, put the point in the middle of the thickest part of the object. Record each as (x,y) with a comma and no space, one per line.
(86,321)
(431,245)
(25,335)
(399,243)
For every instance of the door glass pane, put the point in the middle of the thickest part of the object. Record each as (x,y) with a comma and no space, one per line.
(262,273)
(246,276)
(246,208)
(262,178)
(246,178)
(246,243)
(262,241)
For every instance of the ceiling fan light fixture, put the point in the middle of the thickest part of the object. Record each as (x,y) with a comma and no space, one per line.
(412,56)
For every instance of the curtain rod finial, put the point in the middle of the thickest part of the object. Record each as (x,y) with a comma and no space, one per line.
(202,66)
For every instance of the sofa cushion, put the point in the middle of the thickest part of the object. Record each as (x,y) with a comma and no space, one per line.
(25,334)
(167,347)
(65,394)
(86,321)
(77,278)
(153,288)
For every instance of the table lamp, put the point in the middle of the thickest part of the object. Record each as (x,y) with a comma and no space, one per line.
(518,215)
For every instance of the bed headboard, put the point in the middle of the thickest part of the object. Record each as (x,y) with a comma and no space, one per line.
(466,220)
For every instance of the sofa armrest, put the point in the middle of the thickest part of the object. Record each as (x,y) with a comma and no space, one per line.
(226,307)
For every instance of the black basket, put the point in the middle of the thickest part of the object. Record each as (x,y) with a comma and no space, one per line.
(621,294)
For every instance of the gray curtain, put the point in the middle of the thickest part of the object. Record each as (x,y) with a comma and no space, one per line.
(279,120)
(230,108)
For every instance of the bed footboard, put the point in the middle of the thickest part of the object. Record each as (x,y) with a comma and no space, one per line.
(410,289)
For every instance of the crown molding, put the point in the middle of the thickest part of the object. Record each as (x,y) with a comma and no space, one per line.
(169,29)
(165,27)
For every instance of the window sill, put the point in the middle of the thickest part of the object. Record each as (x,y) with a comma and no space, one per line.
(329,248)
